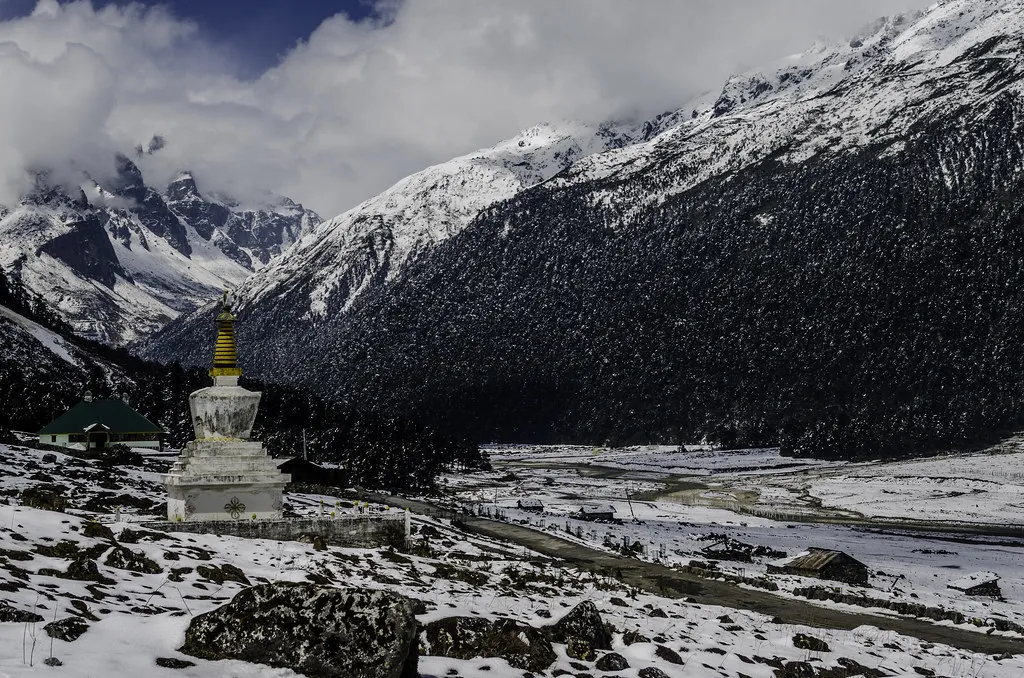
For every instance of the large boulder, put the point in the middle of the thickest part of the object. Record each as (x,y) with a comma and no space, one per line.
(522,646)
(319,631)
(68,629)
(582,631)
(13,614)
(46,497)
(126,559)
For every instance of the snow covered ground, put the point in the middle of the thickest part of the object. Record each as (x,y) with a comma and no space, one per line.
(673,504)
(135,617)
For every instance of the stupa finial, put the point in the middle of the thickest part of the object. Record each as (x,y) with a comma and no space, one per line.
(225,356)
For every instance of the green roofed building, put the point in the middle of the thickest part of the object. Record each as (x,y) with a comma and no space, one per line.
(101,423)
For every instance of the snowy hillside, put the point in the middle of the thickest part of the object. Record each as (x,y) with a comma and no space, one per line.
(88,589)
(120,261)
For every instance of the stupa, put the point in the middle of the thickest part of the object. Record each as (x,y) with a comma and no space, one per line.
(222,474)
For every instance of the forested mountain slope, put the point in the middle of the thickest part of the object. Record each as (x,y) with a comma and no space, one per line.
(830,257)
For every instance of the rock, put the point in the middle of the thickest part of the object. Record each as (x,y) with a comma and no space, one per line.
(173,663)
(802,641)
(611,662)
(522,646)
(46,497)
(68,629)
(652,672)
(221,574)
(85,569)
(631,637)
(618,602)
(11,614)
(795,670)
(669,655)
(927,673)
(658,613)
(49,458)
(53,661)
(582,631)
(97,531)
(577,648)
(315,630)
(126,559)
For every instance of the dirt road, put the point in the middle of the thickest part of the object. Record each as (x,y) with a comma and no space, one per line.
(673,584)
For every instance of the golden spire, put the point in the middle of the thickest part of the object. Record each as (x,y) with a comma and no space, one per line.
(225,358)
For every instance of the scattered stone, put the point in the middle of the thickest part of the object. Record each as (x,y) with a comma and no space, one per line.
(84,569)
(852,668)
(173,663)
(68,629)
(582,631)
(726,619)
(126,559)
(802,641)
(795,670)
(53,661)
(631,637)
(611,662)
(49,458)
(652,672)
(46,497)
(658,613)
(219,575)
(669,655)
(522,646)
(618,602)
(97,531)
(11,614)
(314,630)
(927,673)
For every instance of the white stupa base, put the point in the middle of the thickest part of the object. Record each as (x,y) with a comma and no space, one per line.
(224,480)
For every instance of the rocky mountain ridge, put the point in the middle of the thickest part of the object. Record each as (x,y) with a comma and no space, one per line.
(120,259)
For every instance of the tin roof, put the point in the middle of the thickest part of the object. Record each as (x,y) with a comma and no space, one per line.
(812,559)
(597,508)
(975,579)
(530,502)
(112,414)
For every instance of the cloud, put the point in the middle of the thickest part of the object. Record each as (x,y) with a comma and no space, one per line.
(357,106)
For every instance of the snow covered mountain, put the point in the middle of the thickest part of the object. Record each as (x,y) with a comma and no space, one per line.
(824,255)
(119,261)
(371,243)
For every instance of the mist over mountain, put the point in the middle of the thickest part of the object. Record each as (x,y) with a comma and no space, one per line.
(118,259)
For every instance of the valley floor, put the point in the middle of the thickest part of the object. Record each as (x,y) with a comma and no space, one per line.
(135,617)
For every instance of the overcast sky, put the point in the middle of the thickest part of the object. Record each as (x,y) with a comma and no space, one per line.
(373,93)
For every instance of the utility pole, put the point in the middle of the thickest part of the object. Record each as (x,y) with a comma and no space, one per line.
(630,505)
(304,444)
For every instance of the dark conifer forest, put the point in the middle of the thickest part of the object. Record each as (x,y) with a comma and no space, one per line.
(859,304)
(378,451)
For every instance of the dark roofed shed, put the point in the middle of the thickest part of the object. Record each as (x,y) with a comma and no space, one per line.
(824,564)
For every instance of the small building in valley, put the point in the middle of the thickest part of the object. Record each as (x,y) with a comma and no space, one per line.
(99,423)
(597,513)
(824,564)
(532,505)
(978,584)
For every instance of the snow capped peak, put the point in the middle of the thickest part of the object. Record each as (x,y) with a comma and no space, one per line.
(183,188)
(784,105)
(376,238)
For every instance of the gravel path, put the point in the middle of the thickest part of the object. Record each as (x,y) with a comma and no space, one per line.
(673,584)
